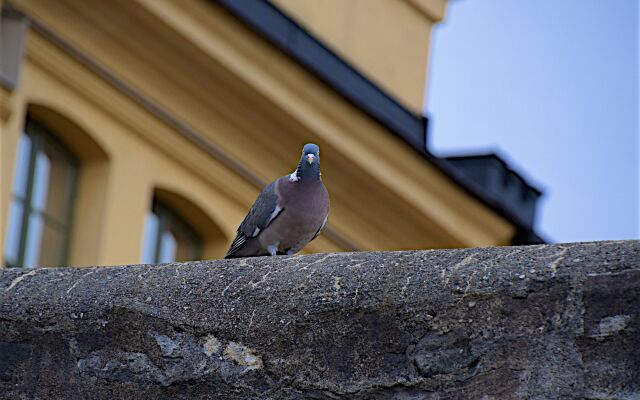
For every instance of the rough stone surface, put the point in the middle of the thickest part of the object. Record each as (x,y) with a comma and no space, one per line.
(537,322)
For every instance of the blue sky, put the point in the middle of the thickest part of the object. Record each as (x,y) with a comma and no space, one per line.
(551,86)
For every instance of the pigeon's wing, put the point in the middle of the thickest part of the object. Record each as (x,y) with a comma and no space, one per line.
(321,227)
(264,210)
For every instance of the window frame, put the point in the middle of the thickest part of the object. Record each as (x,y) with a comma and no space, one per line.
(41,136)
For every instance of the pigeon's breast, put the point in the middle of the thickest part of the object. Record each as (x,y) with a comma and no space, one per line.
(305,207)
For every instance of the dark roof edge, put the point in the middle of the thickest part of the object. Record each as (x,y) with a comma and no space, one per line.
(501,160)
(474,190)
(294,40)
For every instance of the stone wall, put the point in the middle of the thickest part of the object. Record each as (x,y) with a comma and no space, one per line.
(537,322)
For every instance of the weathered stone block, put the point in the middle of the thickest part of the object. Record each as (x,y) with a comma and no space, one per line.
(538,322)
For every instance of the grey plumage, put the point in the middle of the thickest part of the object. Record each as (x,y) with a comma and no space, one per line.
(288,214)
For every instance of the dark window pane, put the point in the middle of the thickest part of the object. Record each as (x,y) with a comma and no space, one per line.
(150,244)
(52,182)
(186,246)
(167,248)
(40,181)
(14,229)
(52,247)
(34,239)
(21,175)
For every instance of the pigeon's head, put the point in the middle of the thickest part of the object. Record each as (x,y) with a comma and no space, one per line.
(309,165)
(311,153)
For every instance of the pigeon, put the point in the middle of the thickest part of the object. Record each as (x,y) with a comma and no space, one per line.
(288,214)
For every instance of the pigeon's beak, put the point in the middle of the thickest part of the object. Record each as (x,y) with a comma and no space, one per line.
(310,158)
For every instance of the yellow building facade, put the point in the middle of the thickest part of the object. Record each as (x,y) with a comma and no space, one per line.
(157,123)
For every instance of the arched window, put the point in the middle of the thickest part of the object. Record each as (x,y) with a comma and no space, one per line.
(168,237)
(179,229)
(44,189)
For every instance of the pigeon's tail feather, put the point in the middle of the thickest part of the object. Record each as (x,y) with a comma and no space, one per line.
(250,248)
